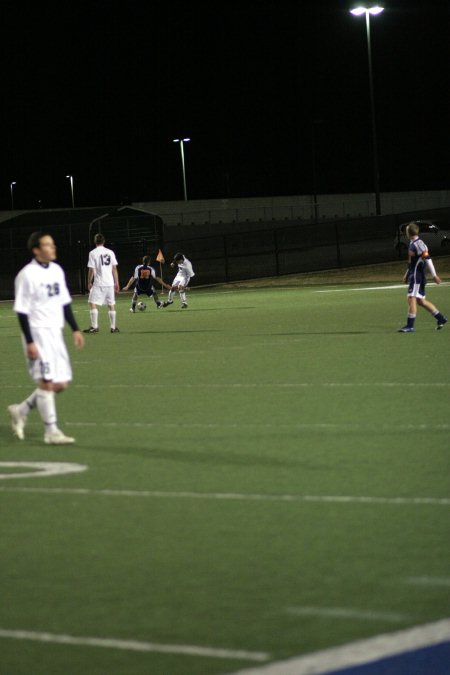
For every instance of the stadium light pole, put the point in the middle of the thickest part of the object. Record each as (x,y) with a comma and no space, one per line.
(182,141)
(71,190)
(359,11)
(11,187)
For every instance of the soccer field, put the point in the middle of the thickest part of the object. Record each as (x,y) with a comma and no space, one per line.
(261,476)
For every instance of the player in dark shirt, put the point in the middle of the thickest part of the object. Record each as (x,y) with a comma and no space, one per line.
(419,259)
(143,279)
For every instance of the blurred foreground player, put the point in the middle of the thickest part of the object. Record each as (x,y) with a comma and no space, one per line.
(42,303)
(419,259)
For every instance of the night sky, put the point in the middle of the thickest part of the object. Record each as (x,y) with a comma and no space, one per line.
(99,89)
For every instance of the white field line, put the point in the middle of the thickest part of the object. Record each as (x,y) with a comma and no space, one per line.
(257,425)
(428,581)
(231,497)
(134,645)
(251,385)
(346,613)
(370,288)
(41,469)
(359,652)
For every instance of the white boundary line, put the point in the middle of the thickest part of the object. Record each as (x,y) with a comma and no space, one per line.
(134,645)
(347,613)
(358,653)
(252,385)
(224,496)
(41,469)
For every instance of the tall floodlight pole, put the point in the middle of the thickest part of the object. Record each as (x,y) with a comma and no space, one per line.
(182,141)
(71,190)
(11,187)
(359,11)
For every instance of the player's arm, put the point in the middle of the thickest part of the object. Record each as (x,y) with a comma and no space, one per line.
(163,283)
(32,351)
(78,338)
(129,284)
(90,277)
(431,269)
(115,277)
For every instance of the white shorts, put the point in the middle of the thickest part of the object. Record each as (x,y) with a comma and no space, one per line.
(102,295)
(53,363)
(181,280)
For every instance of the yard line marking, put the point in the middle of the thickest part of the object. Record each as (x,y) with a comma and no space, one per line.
(370,288)
(346,613)
(256,425)
(134,645)
(230,496)
(246,385)
(41,469)
(359,652)
(428,581)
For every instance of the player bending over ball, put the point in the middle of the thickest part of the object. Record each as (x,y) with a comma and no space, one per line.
(143,278)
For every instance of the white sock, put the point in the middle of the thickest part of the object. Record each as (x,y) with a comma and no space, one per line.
(169,297)
(93,313)
(183,296)
(45,403)
(28,404)
(112,318)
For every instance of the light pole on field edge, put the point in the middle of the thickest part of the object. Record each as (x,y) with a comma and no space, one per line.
(182,141)
(71,189)
(11,187)
(359,11)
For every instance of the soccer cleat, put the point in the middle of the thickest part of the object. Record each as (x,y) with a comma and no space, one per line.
(167,303)
(441,323)
(90,330)
(115,330)
(18,421)
(184,305)
(57,438)
(406,329)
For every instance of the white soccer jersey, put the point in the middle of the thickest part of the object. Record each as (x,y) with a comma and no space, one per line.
(185,269)
(101,260)
(41,292)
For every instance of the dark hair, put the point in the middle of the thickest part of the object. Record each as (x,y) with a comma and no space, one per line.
(99,238)
(146,259)
(34,240)
(178,256)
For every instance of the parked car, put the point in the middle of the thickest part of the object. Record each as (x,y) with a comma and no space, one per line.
(435,234)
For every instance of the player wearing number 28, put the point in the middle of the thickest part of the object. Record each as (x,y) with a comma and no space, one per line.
(42,303)
(103,282)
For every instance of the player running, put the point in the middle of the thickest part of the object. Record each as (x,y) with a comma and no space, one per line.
(182,278)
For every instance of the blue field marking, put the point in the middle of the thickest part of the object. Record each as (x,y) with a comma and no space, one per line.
(433,660)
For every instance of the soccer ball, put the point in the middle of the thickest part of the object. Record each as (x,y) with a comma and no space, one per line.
(141,306)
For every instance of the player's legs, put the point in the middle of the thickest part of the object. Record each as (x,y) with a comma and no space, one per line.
(52,372)
(432,309)
(134,300)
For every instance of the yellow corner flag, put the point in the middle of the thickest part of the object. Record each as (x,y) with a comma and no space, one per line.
(160,257)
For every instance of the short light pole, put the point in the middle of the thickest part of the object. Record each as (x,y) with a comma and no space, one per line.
(359,11)
(182,141)
(314,123)
(71,190)
(11,187)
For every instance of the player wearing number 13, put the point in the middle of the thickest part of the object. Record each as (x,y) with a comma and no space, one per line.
(103,281)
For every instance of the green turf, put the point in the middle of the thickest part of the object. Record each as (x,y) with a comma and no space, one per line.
(267,393)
